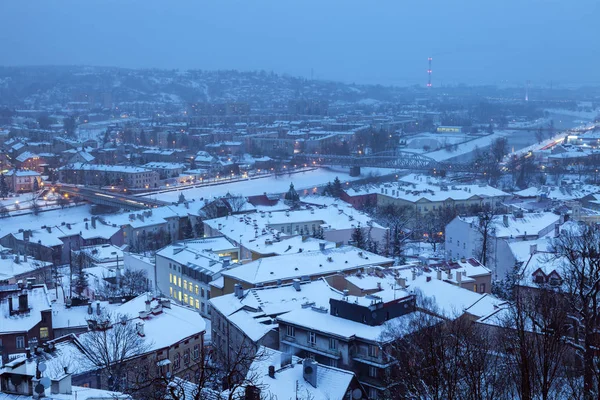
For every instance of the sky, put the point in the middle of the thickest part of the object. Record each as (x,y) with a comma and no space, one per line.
(362,41)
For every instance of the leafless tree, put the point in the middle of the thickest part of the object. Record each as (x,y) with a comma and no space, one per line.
(486,220)
(579,252)
(236,202)
(205,375)
(111,344)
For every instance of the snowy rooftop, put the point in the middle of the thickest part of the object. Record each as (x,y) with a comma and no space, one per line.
(567,192)
(37,300)
(12,265)
(508,225)
(309,263)
(66,317)
(332,383)
(105,168)
(104,253)
(163,165)
(415,187)
(255,312)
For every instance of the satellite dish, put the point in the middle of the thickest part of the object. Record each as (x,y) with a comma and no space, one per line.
(39,389)
(45,382)
(356,394)
(42,367)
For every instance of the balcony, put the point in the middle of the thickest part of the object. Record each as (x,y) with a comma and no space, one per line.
(374,361)
(313,348)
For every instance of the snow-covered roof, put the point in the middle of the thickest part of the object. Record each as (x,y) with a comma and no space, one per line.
(332,383)
(104,253)
(22,172)
(309,263)
(9,267)
(508,225)
(414,187)
(37,298)
(25,156)
(567,192)
(68,317)
(163,165)
(126,169)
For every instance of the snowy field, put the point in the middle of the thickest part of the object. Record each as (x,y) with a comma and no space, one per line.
(304,182)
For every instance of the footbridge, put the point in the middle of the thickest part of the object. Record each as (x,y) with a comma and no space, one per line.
(109,198)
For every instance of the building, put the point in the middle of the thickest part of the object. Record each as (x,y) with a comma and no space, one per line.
(21,181)
(166,170)
(173,336)
(184,270)
(302,266)
(26,317)
(15,268)
(423,194)
(107,175)
(464,237)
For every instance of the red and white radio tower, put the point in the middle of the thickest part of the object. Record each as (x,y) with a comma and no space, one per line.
(429,72)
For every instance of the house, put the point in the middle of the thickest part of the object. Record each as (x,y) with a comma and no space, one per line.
(21,181)
(302,265)
(166,170)
(105,175)
(463,236)
(279,375)
(184,270)
(167,351)
(26,317)
(16,267)
(20,379)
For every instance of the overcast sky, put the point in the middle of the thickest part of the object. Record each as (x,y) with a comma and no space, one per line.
(366,41)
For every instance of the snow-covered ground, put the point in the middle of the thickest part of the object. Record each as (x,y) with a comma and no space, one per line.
(51,218)
(586,115)
(467,147)
(305,183)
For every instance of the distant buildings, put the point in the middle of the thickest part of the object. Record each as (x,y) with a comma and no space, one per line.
(107,175)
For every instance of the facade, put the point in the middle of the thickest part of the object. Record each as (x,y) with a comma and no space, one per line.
(26,318)
(108,175)
(22,181)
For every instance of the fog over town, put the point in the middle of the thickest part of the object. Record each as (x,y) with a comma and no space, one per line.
(299,200)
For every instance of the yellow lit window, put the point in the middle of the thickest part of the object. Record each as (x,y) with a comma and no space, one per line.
(44,333)
(184,284)
(179,295)
(179,282)
(170,278)
(185,298)
(197,289)
(197,304)
(171,291)
(191,301)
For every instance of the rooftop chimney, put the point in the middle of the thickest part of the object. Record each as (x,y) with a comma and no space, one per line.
(139,327)
(532,249)
(272,371)
(459,277)
(98,308)
(414,274)
(90,310)
(505,220)
(23,302)
(439,274)
(322,246)
(556,230)
(401,282)
(296,283)
(309,371)
(148,308)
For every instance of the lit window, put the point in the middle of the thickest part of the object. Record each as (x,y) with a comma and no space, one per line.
(171,291)
(185,285)
(185,298)
(180,282)
(197,303)
(44,333)
(179,295)
(191,301)
(197,289)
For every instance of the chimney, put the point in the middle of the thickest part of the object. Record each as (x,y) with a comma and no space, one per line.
(439,274)
(401,282)
(379,285)
(309,371)
(23,302)
(25,257)
(94,222)
(556,230)
(226,261)
(98,308)
(238,291)
(272,371)
(322,246)
(505,220)
(414,274)
(459,277)
(148,308)
(86,226)
(532,249)
(90,309)
(296,283)
(139,327)
(346,293)
(62,385)
(562,219)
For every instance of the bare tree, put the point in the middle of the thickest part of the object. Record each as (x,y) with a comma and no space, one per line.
(579,252)
(486,221)
(111,344)
(204,374)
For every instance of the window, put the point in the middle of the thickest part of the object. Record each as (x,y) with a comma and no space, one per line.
(373,351)
(458,243)
(464,245)
(191,301)
(333,362)
(197,289)
(482,288)
(373,372)
(197,303)
(44,333)
(196,353)
(186,357)
(170,278)
(185,286)
(202,307)
(372,393)
(291,331)
(177,361)
(475,287)
(185,298)
(312,338)
(202,292)
(179,282)
(20,341)
(332,344)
